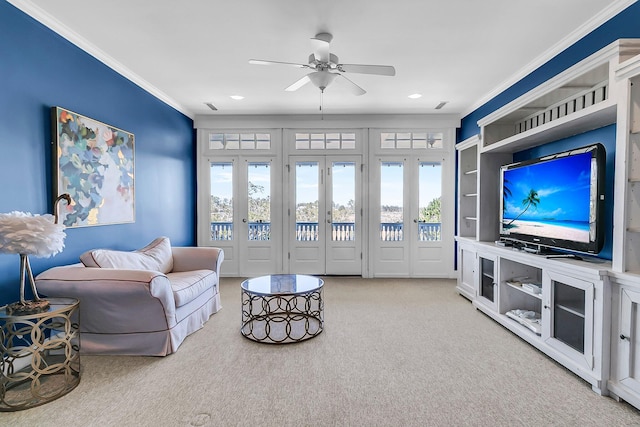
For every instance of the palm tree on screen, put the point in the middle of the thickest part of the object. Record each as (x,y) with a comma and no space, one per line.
(506,193)
(532,199)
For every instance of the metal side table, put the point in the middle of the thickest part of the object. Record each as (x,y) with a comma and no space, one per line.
(40,355)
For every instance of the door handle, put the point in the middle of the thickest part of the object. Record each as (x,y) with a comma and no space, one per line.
(622,337)
(244,219)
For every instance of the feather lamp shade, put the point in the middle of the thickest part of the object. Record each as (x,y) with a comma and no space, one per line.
(27,234)
(24,233)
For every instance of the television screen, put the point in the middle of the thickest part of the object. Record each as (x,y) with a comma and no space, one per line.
(555,201)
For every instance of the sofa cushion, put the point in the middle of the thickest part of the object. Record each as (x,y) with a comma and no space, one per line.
(188,285)
(155,256)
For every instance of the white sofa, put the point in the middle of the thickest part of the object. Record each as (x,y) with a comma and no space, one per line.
(144,302)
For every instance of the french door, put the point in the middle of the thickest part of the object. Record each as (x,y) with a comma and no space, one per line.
(408,216)
(325,215)
(245,213)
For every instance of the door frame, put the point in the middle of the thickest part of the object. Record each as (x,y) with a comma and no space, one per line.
(324,245)
(411,156)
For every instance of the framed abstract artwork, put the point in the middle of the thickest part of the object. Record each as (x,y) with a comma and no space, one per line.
(94,164)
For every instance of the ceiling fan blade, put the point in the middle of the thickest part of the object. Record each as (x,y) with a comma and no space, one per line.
(321,46)
(297,85)
(380,70)
(354,88)
(263,62)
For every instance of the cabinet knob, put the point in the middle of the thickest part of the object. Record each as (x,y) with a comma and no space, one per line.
(622,337)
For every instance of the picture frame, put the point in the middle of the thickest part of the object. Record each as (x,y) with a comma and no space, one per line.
(94,163)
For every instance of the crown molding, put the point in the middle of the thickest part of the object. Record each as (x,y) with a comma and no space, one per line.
(609,12)
(59,28)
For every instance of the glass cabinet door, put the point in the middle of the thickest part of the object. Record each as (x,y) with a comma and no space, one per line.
(487,281)
(568,317)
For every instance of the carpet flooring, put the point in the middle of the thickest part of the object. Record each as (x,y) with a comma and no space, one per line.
(394,352)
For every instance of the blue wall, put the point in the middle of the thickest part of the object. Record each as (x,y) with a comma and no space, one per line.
(624,25)
(38,70)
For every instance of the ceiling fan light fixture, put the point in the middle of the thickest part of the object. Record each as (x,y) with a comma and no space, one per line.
(322,79)
(326,67)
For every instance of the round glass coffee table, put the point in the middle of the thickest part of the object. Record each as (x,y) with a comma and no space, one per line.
(282,308)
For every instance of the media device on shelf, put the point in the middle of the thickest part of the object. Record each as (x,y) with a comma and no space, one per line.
(555,201)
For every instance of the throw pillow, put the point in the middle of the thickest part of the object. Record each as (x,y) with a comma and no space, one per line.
(155,256)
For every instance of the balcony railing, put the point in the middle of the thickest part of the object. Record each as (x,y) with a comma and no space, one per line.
(341,231)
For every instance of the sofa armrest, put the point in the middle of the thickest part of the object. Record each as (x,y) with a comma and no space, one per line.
(113,297)
(197,258)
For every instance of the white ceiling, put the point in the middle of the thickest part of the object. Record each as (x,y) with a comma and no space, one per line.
(197,51)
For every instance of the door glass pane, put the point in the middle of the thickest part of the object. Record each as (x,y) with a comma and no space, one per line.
(302,141)
(348,141)
(307,190)
(387,140)
(233,141)
(430,190)
(317,141)
(391,202)
(403,140)
(419,140)
(263,141)
(247,141)
(568,315)
(333,141)
(434,140)
(221,201)
(259,198)
(343,210)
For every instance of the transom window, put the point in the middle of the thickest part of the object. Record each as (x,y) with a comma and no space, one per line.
(410,140)
(239,141)
(328,141)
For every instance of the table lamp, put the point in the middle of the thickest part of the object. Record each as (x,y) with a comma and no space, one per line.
(26,234)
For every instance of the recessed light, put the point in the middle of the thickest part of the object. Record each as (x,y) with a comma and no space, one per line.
(237,97)
(415,96)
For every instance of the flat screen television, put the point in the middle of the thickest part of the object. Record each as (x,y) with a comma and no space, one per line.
(555,201)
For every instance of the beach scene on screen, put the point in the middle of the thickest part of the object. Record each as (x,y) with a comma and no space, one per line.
(551,199)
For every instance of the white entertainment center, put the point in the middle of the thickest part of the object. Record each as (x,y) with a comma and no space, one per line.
(583,313)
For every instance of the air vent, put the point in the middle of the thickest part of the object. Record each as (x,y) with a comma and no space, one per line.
(210,105)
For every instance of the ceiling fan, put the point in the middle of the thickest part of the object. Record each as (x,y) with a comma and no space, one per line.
(327,67)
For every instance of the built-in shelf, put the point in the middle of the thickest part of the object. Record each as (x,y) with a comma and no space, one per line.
(523,290)
(596,116)
(570,310)
(467,153)
(580,300)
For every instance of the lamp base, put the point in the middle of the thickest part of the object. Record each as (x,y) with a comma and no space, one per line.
(27,307)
